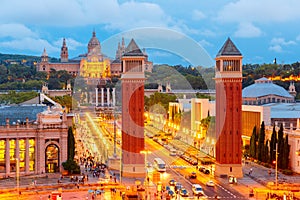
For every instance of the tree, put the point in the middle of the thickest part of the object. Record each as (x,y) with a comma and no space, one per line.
(280,147)
(71,144)
(286,153)
(253,140)
(261,142)
(273,146)
(159,98)
(266,152)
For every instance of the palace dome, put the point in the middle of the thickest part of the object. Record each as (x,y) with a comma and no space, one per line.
(94,44)
(264,87)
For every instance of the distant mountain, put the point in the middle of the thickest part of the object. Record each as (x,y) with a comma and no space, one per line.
(17,57)
(22,58)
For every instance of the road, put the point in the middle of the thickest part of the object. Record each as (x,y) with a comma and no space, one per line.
(179,170)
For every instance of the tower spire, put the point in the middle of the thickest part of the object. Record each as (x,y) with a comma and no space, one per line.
(64,54)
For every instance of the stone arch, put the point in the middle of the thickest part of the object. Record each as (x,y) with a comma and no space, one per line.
(52,157)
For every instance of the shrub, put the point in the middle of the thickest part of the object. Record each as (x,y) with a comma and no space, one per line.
(71,166)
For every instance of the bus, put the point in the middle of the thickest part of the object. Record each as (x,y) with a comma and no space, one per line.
(159,165)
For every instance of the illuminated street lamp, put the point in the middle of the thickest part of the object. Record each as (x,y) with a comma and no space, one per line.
(276,167)
(18,176)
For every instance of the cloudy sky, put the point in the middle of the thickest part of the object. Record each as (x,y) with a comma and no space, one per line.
(172,31)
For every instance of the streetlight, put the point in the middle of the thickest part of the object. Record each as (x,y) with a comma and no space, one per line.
(18,176)
(146,152)
(276,169)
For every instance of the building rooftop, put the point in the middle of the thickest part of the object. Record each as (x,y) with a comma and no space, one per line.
(19,113)
(133,49)
(264,87)
(229,49)
(284,110)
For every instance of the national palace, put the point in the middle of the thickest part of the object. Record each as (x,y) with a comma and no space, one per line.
(91,65)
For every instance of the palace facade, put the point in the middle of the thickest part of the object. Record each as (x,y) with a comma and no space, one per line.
(91,65)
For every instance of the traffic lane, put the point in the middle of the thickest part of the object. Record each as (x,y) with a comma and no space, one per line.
(170,173)
(221,189)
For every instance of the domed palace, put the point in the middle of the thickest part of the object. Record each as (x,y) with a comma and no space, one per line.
(91,65)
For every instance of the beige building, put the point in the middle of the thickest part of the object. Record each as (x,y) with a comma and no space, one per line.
(34,147)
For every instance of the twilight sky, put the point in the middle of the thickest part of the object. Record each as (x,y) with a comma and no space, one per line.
(172,31)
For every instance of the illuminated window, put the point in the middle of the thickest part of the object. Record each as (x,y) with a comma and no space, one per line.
(2,156)
(12,155)
(22,146)
(31,154)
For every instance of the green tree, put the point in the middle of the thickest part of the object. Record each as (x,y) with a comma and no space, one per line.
(261,142)
(266,152)
(286,153)
(161,99)
(273,146)
(71,144)
(66,101)
(253,146)
(280,147)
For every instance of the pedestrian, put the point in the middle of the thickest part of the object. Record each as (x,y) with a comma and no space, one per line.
(250,170)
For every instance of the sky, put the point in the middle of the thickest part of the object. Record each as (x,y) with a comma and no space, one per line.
(189,32)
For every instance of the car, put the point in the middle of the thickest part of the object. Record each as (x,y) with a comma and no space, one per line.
(183,192)
(210,183)
(149,164)
(197,190)
(167,188)
(232,179)
(172,182)
(193,175)
(178,186)
(180,153)
(171,193)
(201,169)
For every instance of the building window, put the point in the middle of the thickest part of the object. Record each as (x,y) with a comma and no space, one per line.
(22,146)
(230,169)
(2,156)
(12,155)
(31,154)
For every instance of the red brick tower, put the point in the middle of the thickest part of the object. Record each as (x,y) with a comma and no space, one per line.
(229,111)
(133,78)
(64,55)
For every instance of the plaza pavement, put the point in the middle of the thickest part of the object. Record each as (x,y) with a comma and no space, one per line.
(258,180)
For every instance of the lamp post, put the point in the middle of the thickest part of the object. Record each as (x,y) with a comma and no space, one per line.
(18,176)
(276,166)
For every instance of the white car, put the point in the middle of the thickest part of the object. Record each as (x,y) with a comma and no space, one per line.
(197,190)
(210,183)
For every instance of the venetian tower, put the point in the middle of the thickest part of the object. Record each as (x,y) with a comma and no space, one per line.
(228,80)
(132,82)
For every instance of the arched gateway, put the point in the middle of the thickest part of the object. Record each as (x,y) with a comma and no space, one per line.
(52,162)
